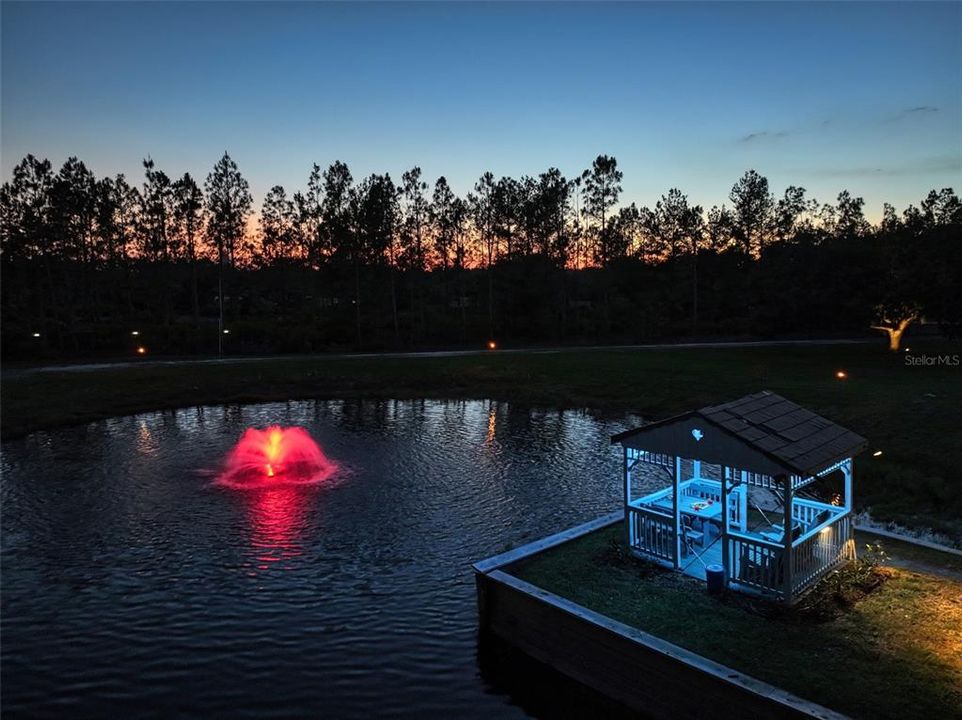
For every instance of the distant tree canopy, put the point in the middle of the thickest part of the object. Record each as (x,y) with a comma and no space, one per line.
(374,263)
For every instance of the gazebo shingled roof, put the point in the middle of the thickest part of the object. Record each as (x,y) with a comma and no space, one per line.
(795,437)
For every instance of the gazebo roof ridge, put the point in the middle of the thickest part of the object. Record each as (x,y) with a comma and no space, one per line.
(787,434)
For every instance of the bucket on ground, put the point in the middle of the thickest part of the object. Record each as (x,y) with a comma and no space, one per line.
(715,575)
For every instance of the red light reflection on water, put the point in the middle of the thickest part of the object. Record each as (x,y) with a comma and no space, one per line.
(278,516)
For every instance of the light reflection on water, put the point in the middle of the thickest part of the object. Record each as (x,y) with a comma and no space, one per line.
(132,586)
(278,519)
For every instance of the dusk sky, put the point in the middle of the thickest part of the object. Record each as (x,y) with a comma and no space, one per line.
(861,96)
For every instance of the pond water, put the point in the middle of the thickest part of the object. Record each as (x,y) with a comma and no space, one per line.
(133,586)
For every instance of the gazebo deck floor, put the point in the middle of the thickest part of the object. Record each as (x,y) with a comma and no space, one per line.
(695,562)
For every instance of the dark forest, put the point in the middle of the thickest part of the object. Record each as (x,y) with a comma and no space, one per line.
(105,267)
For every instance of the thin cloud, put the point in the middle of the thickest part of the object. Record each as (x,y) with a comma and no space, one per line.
(763,135)
(855,119)
(912,113)
(935,164)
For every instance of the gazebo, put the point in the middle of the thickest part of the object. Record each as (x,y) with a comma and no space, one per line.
(727,464)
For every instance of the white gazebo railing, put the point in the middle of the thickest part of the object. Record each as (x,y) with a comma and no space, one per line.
(820,551)
(813,513)
(651,532)
(757,564)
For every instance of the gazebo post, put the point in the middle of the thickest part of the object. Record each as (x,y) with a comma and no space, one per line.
(847,470)
(724,525)
(787,540)
(676,512)
(627,470)
(743,501)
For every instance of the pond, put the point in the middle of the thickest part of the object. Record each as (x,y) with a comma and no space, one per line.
(132,585)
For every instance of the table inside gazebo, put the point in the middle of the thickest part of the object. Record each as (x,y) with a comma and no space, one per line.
(700,508)
(707,510)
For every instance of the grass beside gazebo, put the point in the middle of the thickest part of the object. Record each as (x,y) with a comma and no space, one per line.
(897,653)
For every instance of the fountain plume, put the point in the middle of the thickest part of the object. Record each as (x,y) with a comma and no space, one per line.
(275,456)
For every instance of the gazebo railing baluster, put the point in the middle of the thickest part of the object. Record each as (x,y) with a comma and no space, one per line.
(822,550)
(652,533)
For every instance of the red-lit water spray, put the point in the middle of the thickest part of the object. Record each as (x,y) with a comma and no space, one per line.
(275,456)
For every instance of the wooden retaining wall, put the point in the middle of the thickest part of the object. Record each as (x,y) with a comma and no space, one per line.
(643,672)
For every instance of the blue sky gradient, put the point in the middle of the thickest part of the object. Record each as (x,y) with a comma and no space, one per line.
(862,96)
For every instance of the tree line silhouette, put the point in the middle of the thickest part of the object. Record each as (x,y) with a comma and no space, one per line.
(376,264)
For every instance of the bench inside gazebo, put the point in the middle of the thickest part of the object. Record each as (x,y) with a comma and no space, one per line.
(720,467)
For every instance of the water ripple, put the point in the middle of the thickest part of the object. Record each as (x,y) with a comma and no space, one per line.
(134,588)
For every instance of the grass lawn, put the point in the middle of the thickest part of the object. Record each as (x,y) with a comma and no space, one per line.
(910,413)
(896,654)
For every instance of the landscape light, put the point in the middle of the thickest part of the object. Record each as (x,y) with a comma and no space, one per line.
(876,453)
(141,350)
(226,331)
(492,345)
(841,374)
(36,334)
(135,332)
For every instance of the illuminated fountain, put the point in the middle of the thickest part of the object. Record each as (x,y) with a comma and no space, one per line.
(275,456)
